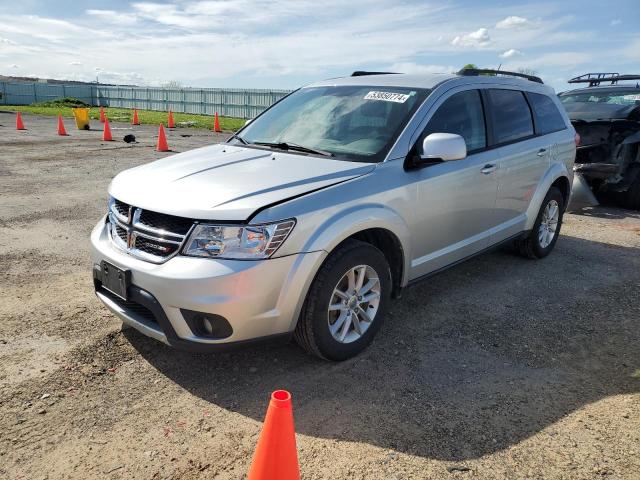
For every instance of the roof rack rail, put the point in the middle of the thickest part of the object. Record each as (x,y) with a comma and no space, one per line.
(594,79)
(472,72)
(363,73)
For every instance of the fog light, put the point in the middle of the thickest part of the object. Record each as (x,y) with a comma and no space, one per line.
(207,325)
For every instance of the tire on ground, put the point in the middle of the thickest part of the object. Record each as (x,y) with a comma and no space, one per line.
(312,331)
(529,246)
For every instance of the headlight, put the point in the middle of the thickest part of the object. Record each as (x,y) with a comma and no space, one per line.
(242,242)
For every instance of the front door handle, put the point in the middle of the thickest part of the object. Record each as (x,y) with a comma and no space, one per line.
(488,168)
(542,152)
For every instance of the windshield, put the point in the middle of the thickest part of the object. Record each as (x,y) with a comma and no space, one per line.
(357,123)
(611,97)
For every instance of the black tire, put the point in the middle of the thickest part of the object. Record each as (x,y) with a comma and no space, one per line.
(530,245)
(631,197)
(312,332)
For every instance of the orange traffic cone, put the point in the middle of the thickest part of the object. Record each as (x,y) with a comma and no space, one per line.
(216,124)
(106,133)
(19,124)
(102,116)
(170,123)
(61,130)
(276,456)
(135,120)
(162,145)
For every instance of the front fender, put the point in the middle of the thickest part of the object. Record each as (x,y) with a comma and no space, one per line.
(341,225)
(555,171)
(316,233)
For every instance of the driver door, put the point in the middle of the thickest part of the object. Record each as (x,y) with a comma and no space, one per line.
(455,210)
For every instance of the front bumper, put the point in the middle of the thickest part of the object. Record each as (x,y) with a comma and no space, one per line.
(259,299)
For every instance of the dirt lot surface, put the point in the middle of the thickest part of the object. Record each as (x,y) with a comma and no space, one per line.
(498,368)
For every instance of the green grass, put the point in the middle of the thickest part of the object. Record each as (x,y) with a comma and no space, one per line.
(148,117)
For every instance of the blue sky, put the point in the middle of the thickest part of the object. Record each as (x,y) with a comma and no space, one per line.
(287,43)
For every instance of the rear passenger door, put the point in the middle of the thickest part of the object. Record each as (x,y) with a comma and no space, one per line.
(522,158)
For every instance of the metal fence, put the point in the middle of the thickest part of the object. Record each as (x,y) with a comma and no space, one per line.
(206,101)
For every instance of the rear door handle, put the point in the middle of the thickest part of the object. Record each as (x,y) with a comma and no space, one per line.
(488,168)
(542,152)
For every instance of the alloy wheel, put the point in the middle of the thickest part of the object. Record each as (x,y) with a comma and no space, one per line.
(354,304)
(549,224)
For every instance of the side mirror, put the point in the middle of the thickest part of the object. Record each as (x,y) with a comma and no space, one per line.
(442,147)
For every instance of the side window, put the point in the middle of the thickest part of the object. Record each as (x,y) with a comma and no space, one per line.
(548,118)
(461,113)
(511,115)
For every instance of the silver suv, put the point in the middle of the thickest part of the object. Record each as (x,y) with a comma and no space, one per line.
(322,209)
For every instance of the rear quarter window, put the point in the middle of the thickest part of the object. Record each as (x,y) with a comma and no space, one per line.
(547,117)
(511,115)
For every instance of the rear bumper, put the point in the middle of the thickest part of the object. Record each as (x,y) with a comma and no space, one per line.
(260,300)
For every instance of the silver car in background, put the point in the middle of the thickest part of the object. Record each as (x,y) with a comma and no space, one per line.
(317,213)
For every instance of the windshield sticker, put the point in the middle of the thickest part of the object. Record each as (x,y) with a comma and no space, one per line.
(387,96)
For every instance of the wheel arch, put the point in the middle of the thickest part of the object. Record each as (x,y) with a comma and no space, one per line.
(378,225)
(562,184)
(556,176)
(389,244)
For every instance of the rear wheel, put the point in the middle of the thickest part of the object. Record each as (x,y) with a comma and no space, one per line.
(346,302)
(542,238)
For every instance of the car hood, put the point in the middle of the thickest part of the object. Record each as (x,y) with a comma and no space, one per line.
(227,182)
(590,112)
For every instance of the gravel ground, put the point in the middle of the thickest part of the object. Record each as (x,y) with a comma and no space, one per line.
(498,368)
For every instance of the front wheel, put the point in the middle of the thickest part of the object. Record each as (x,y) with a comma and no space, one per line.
(346,302)
(539,242)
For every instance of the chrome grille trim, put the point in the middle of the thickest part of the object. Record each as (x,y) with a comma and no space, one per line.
(155,231)
(135,229)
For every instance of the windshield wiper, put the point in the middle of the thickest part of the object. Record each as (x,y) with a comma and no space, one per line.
(239,138)
(293,146)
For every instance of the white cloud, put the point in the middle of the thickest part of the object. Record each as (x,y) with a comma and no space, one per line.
(479,38)
(512,52)
(565,60)
(14,65)
(416,68)
(512,22)
(75,63)
(112,16)
(287,42)
(132,78)
(615,22)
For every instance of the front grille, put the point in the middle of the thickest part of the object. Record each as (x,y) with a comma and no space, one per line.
(134,309)
(167,223)
(154,247)
(121,208)
(121,232)
(138,310)
(148,235)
